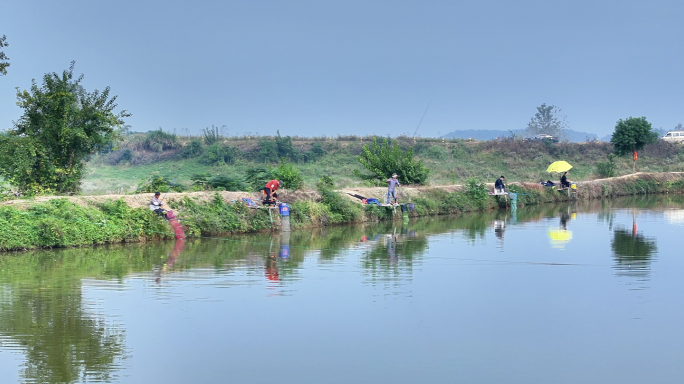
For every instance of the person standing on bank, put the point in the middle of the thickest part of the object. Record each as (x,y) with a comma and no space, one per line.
(271,187)
(499,186)
(393,183)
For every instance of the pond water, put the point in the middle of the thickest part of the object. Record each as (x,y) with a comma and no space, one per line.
(585,293)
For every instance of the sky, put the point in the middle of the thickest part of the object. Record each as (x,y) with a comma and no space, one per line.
(331,68)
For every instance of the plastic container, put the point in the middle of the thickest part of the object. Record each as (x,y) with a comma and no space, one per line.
(411,206)
(573,186)
(284,209)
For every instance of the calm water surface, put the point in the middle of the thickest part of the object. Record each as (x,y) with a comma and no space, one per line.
(586,293)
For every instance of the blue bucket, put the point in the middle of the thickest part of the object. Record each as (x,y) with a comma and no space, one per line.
(284,209)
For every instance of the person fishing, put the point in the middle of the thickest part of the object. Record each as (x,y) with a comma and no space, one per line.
(565,183)
(499,186)
(271,188)
(156,204)
(393,183)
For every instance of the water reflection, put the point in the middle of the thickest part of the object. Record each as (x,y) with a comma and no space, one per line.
(633,252)
(66,339)
(43,314)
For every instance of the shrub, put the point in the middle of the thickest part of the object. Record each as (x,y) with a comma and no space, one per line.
(477,192)
(256,178)
(158,184)
(381,160)
(192,149)
(291,177)
(211,135)
(220,154)
(158,141)
(606,169)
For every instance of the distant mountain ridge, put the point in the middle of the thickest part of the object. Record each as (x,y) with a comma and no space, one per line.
(490,134)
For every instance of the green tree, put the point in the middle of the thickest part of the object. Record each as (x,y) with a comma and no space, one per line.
(382,160)
(631,135)
(549,120)
(61,126)
(4,60)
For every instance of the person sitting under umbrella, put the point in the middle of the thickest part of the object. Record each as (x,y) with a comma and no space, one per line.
(565,183)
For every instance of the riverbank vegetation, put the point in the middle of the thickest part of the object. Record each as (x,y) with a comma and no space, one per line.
(450,161)
(78,221)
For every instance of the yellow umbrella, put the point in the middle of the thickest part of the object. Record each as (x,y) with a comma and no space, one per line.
(559,166)
(559,237)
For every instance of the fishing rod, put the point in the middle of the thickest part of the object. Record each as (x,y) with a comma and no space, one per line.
(424,113)
(171,186)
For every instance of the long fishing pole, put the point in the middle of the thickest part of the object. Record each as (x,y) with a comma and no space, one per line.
(171,186)
(424,113)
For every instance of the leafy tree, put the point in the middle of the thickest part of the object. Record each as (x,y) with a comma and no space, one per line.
(632,134)
(4,60)
(382,160)
(549,120)
(61,126)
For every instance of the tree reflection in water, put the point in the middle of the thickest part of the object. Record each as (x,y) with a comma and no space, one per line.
(64,341)
(632,253)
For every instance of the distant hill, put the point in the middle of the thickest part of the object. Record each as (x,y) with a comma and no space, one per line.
(489,134)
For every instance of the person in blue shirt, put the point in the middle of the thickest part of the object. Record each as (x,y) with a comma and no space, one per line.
(393,183)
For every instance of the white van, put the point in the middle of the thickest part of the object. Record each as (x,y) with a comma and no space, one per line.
(674,137)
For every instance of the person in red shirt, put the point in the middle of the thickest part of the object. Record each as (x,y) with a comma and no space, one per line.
(271,187)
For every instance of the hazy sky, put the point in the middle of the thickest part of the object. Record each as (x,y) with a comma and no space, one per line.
(357,67)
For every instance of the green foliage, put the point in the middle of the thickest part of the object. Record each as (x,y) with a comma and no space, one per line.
(341,209)
(218,217)
(220,154)
(211,135)
(326,181)
(268,151)
(382,160)
(436,152)
(158,184)
(226,183)
(315,152)
(192,149)
(61,127)
(632,134)
(549,120)
(291,177)
(60,223)
(607,168)
(158,141)
(477,192)
(256,178)
(4,60)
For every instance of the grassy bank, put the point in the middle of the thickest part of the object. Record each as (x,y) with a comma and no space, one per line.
(79,221)
(450,161)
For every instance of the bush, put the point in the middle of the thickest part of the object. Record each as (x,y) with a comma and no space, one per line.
(384,159)
(342,210)
(158,141)
(477,192)
(290,176)
(211,135)
(158,184)
(256,178)
(606,169)
(220,154)
(192,149)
